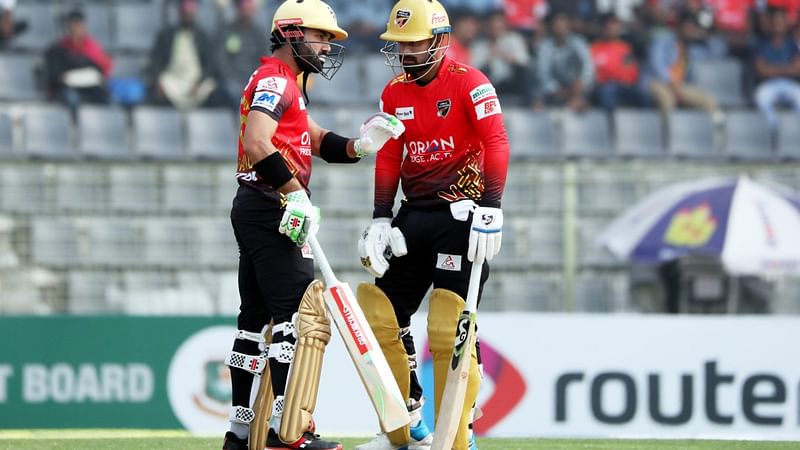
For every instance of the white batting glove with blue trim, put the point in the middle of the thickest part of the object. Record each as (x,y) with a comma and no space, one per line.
(486,234)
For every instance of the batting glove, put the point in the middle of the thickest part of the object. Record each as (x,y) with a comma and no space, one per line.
(485,235)
(375,131)
(300,220)
(378,243)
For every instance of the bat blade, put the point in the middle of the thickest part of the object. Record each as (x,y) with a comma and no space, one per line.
(367,356)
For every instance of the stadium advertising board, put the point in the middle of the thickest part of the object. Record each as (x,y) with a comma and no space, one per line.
(545,375)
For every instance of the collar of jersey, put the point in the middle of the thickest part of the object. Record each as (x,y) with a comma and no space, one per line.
(282,66)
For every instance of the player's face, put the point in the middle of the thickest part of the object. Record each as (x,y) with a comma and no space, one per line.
(318,41)
(415,55)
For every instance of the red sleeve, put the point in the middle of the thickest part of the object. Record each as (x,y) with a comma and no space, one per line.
(387,170)
(95,52)
(487,119)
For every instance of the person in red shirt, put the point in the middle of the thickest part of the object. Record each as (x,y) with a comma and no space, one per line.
(272,218)
(452,163)
(76,66)
(616,69)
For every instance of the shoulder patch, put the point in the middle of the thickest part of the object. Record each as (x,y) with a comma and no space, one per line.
(482,92)
(272,84)
(397,79)
(266,100)
(457,68)
(487,108)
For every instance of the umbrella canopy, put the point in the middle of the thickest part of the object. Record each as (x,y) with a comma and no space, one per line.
(754,228)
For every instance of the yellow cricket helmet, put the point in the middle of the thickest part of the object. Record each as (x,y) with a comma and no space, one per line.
(416,20)
(308,14)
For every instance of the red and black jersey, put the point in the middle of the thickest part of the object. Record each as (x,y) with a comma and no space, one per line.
(455,145)
(273,90)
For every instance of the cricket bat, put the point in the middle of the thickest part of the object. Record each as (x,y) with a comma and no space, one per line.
(455,387)
(362,346)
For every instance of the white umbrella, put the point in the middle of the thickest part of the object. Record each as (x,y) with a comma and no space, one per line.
(754,228)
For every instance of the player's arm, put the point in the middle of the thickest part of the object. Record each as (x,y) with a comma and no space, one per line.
(375,131)
(267,160)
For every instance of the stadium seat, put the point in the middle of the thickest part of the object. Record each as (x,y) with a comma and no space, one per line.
(747,136)
(339,240)
(81,188)
(639,133)
(596,293)
(344,88)
(158,133)
(377,75)
(531,135)
(54,242)
(211,134)
(88,291)
(43,24)
(98,24)
(104,132)
(7,149)
(128,65)
(188,188)
(110,241)
(789,136)
(610,190)
(691,135)
(538,241)
(17,80)
(586,134)
(48,132)
(225,186)
(720,78)
(533,188)
(169,243)
(530,291)
(344,188)
(217,244)
(25,189)
(134,188)
(136,25)
(589,254)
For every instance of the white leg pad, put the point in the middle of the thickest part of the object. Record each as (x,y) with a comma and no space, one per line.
(252,364)
(241,414)
(283,352)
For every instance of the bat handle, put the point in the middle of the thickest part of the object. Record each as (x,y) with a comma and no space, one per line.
(322,261)
(474,286)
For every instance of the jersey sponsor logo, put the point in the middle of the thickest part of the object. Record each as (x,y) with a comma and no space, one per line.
(448,262)
(433,150)
(266,100)
(306,252)
(443,107)
(273,84)
(401,17)
(488,108)
(482,92)
(438,19)
(406,113)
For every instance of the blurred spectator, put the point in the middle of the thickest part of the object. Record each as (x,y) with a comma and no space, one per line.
(777,62)
(479,7)
(616,69)
(732,20)
(76,67)
(564,67)
(466,27)
(582,15)
(625,10)
(525,14)
(503,56)
(668,70)
(183,70)
(364,21)
(8,27)
(241,43)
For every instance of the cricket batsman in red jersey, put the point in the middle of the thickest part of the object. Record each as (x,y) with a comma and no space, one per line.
(273,393)
(452,163)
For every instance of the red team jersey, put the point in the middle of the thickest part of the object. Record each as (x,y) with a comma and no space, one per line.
(455,145)
(273,90)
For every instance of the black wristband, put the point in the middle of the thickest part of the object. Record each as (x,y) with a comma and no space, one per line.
(273,170)
(333,149)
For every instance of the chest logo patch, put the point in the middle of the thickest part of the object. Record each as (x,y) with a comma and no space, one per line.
(406,113)
(443,107)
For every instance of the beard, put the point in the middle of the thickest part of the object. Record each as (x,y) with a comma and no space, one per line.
(414,67)
(307,60)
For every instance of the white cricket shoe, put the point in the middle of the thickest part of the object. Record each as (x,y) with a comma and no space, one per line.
(421,439)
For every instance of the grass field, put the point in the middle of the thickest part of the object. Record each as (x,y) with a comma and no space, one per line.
(180,440)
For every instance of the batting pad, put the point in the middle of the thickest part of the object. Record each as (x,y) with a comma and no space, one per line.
(313,333)
(380,315)
(443,313)
(263,404)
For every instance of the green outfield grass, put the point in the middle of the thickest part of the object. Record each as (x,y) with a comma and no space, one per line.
(179,440)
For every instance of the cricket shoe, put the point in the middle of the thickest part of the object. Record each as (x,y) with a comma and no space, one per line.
(309,441)
(234,443)
(421,439)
